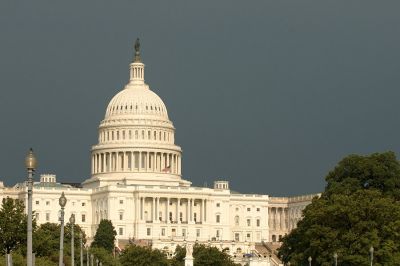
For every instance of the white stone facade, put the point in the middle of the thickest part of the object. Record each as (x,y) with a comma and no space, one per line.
(136,182)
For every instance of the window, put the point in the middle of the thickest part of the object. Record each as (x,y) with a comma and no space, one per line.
(47,203)
(83,204)
(47,217)
(183,232)
(170,216)
(180,216)
(121,216)
(248,236)
(83,218)
(236,220)
(37,216)
(258,222)
(121,231)
(217,233)
(258,209)
(37,202)
(237,237)
(218,218)
(218,204)
(248,209)
(163,231)
(195,217)
(198,232)
(248,222)
(148,231)
(237,209)
(121,201)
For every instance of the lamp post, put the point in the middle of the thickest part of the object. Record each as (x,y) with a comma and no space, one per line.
(72,222)
(30,164)
(62,201)
(87,257)
(81,244)
(335,258)
(371,252)
(309,261)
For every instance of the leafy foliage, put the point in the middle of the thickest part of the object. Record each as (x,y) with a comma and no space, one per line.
(105,236)
(142,256)
(13,224)
(104,256)
(358,209)
(203,256)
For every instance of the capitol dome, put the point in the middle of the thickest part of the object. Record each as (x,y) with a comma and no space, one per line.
(136,100)
(136,142)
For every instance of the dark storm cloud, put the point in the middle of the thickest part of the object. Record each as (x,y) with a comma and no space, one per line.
(267,94)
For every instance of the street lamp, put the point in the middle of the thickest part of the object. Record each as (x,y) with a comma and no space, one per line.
(335,257)
(371,252)
(81,244)
(309,260)
(62,201)
(30,164)
(72,222)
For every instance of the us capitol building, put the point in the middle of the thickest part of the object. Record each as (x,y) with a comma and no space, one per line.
(136,182)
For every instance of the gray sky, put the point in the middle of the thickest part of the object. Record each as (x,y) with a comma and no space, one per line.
(269,95)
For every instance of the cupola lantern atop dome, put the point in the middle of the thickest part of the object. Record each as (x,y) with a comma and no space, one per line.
(137,67)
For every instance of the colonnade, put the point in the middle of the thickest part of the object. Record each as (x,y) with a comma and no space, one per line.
(136,161)
(278,218)
(172,210)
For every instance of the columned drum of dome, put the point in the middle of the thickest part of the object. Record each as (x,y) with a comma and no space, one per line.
(136,144)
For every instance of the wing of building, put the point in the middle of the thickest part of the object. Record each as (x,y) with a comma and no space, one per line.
(136,182)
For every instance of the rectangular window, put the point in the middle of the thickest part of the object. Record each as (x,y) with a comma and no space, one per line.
(217,234)
(163,231)
(237,237)
(121,216)
(248,222)
(121,201)
(248,209)
(37,216)
(198,232)
(121,231)
(83,204)
(183,232)
(258,222)
(218,204)
(37,202)
(83,218)
(47,217)
(258,209)
(47,203)
(148,231)
(248,236)
(218,219)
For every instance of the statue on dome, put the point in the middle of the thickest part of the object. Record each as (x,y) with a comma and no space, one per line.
(137,51)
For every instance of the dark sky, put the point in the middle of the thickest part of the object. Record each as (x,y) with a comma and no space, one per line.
(269,95)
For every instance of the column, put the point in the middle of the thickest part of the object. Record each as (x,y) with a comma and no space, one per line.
(191,210)
(187,210)
(117,162)
(202,211)
(148,161)
(167,214)
(125,154)
(178,202)
(153,208)
(157,208)
(179,164)
(141,208)
(140,161)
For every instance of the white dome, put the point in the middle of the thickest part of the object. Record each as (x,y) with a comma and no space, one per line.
(136,100)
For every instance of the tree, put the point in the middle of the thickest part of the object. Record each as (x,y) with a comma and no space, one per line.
(46,241)
(203,256)
(358,209)
(104,256)
(142,256)
(105,236)
(13,224)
